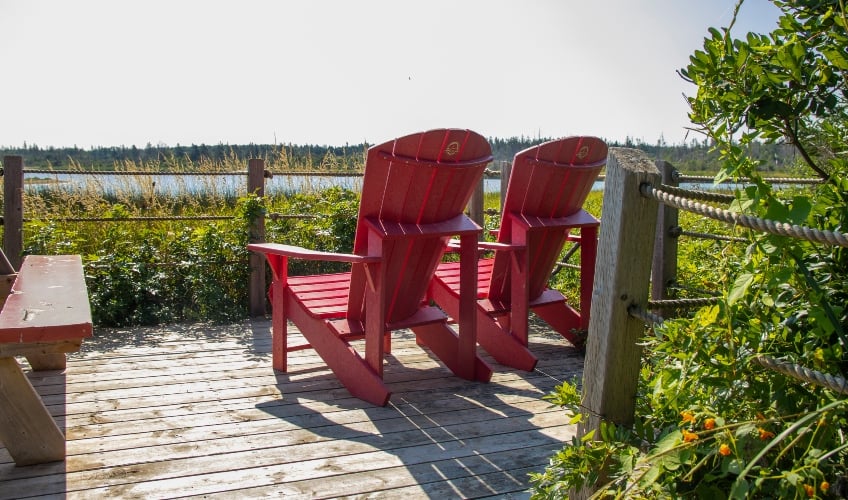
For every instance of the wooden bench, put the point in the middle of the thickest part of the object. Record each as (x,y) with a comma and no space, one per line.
(45,315)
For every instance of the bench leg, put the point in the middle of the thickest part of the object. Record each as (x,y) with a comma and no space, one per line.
(47,361)
(26,427)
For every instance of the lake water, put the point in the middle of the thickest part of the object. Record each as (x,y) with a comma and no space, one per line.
(235,184)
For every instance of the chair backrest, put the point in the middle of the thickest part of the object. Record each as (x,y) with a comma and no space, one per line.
(421,178)
(549,180)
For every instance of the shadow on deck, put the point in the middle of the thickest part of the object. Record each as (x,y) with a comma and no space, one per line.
(185,410)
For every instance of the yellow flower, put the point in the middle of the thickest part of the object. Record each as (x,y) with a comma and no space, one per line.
(709,424)
(811,492)
(764,434)
(824,486)
(687,416)
(689,436)
(724,450)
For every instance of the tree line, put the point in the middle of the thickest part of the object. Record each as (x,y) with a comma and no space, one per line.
(691,157)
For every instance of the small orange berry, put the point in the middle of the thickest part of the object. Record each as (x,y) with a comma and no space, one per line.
(824,486)
(811,492)
(724,450)
(764,434)
(760,416)
(687,416)
(689,436)
(709,424)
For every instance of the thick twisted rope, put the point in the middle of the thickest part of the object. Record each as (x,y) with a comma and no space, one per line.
(710,236)
(698,195)
(136,219)
(837,384)
(798,372)
(647,317)
(772,180)
(763,225)
(682,303)
(124,172)
(273,216)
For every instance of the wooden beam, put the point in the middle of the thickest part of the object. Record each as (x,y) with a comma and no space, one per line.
(13,215)
(256,286)
(664,268)
(26,428)
(623,269)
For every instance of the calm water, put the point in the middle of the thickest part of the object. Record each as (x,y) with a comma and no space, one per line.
(169,184)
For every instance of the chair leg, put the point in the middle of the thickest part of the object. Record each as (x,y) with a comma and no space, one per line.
(565,320)
(347,365)
(505,348)
(279,328)
(444,343)
(501,345)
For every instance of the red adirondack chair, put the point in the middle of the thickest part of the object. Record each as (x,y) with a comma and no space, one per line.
(414,192)
(548,185)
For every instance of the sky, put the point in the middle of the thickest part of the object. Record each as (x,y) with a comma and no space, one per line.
(333,72)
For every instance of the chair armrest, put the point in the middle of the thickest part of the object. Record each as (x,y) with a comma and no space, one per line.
(390,230)
(453,244)
(307,254)
(580,218)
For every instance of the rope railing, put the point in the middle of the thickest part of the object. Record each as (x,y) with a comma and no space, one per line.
(273,216)
(773,180)
(698,195)
(674,197)
(710,236)
(798,372)
(682,303)
(638,248)
(836,384)
(132,219)
(647,317)
(674,285)
(128,172)
(763,225)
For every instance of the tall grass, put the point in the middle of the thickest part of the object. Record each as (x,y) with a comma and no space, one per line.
(153,271)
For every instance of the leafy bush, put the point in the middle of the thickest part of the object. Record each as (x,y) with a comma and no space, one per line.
(144,273)
(711,422)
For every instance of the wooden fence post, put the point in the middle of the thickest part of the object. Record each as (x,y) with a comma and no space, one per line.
(506,169)
(664,268)
(13,214)
(623,268)
(256,286)
(475,204)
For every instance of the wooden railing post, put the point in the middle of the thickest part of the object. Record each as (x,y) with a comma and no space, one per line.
(506,169)
(664,268)
(623,268)
(256,287)
(13,210)
(475,204)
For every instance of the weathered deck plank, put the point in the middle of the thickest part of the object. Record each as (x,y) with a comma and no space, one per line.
(197,410)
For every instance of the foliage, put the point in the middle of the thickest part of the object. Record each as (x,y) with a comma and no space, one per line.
(143,273)
(709,422)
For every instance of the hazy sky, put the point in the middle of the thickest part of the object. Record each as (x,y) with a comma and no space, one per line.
(330,72)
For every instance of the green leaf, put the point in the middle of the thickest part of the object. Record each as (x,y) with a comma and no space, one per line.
(801,208)
(735,466)
(669,441)
(740,489)
(740,287)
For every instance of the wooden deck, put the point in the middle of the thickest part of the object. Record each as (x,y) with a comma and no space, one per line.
(196,410)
